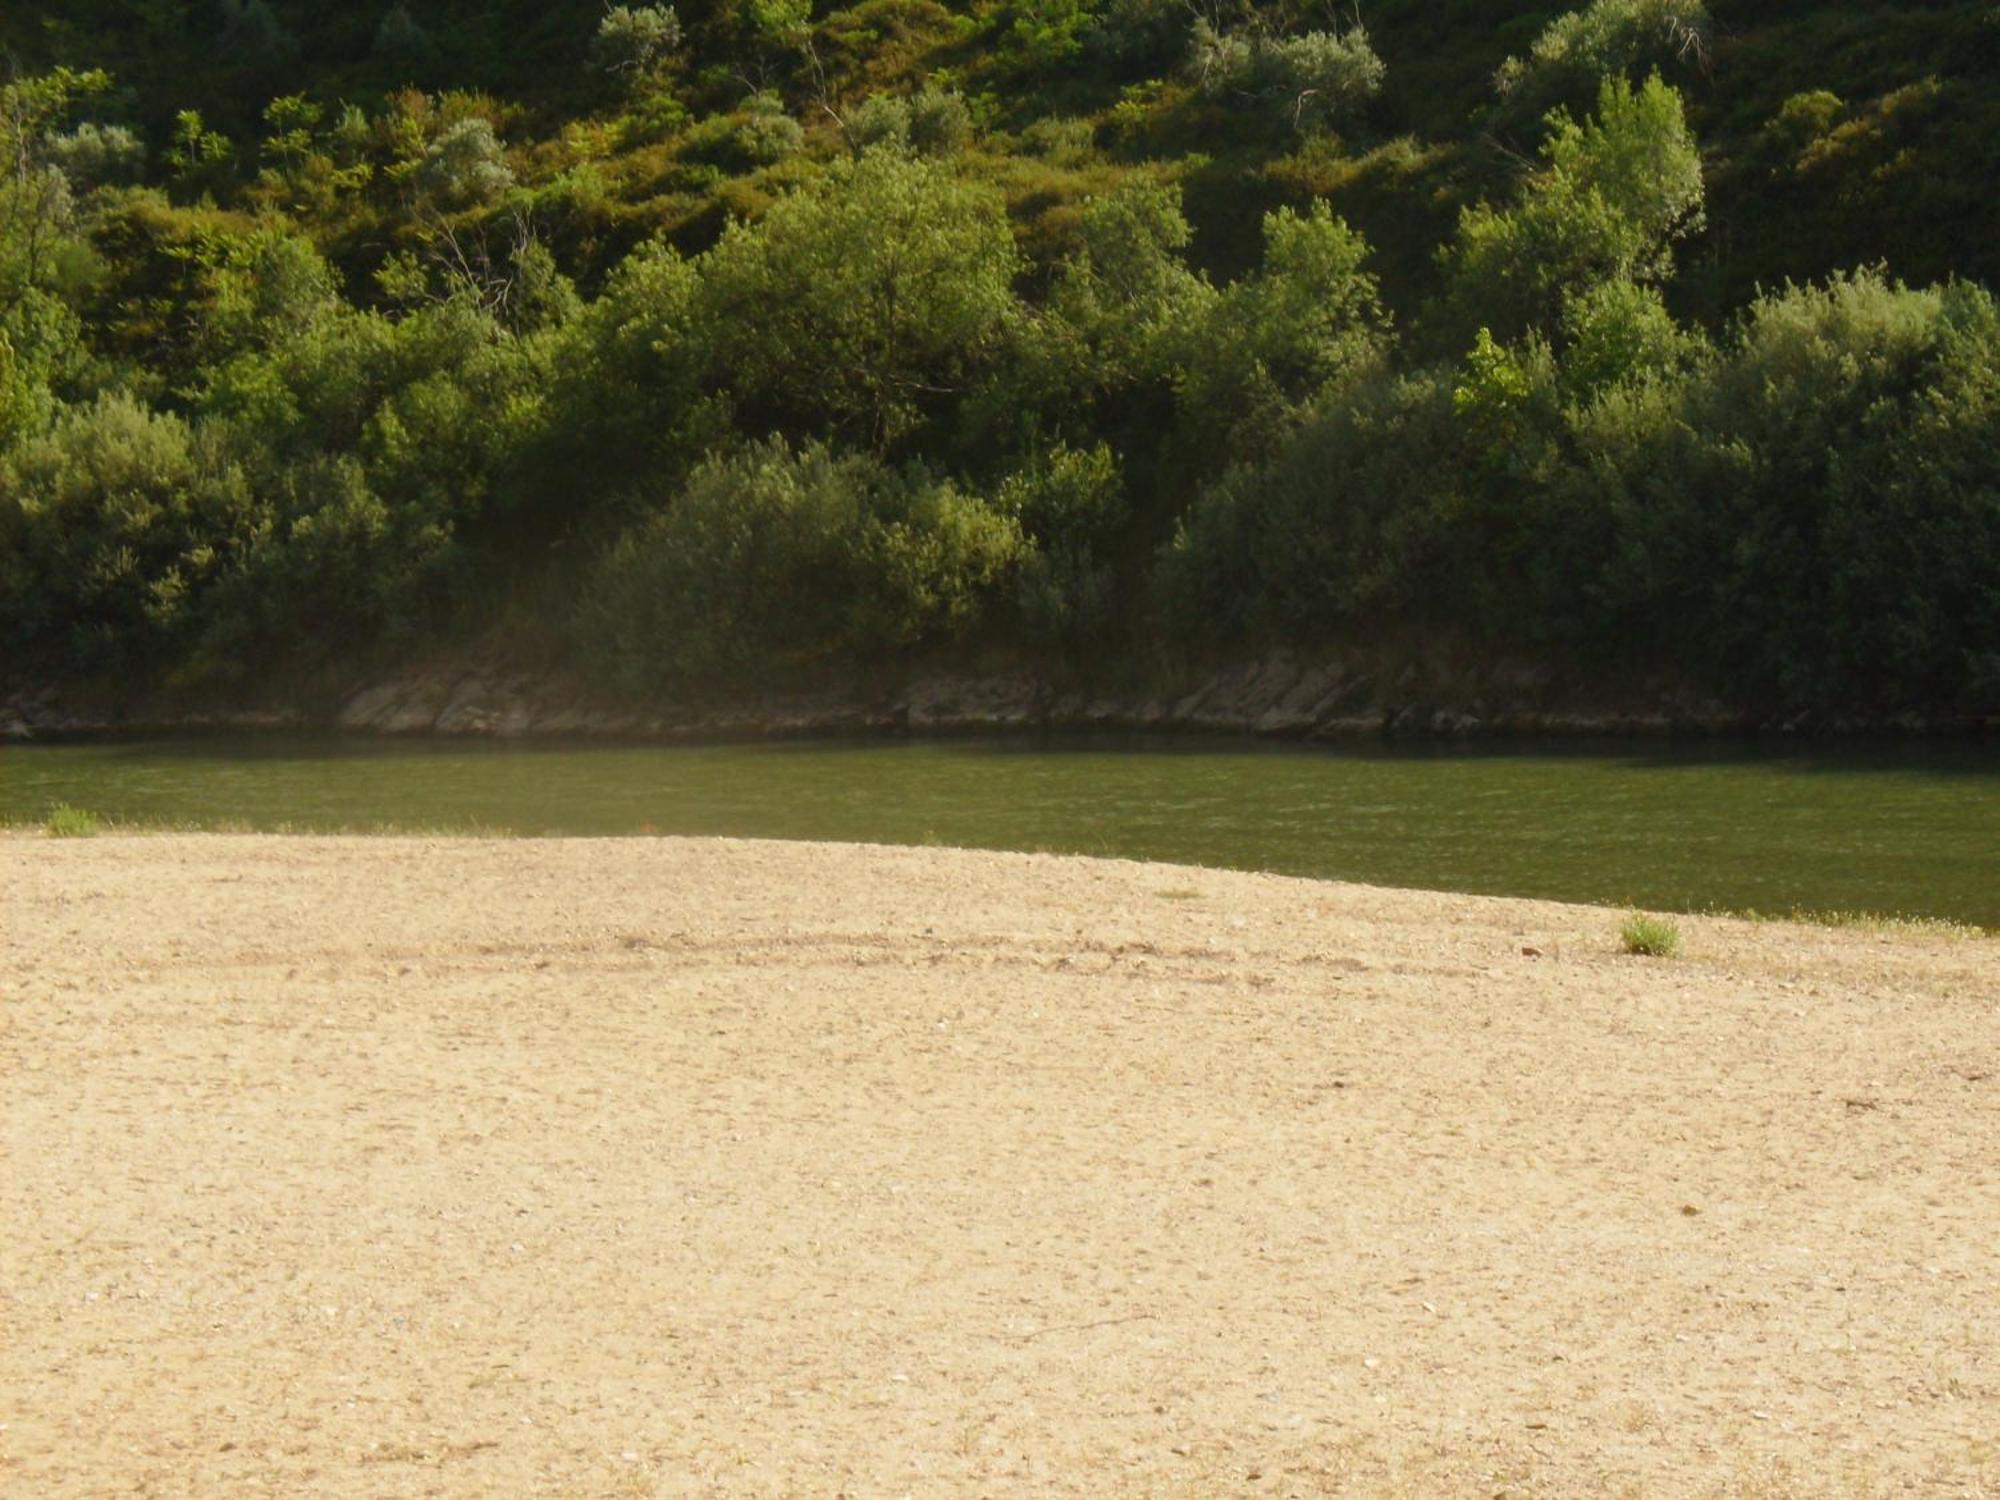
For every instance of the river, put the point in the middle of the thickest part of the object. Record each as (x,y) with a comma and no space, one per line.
(1910,829)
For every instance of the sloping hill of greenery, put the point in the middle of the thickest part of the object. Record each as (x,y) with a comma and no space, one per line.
(757,337)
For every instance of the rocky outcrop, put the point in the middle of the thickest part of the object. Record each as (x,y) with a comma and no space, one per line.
(1283,695)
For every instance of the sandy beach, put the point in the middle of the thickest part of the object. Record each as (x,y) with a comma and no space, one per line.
(402,1166)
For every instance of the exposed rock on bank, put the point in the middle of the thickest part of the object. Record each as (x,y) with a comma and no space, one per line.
(1286,695)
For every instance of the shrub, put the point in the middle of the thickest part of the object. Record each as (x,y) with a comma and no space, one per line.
(776,558)
(1310,318)
(1351,519)
(1315,79)
(860,298)
(1070,505)
(631,39)
(464,167)
(1061,139)
(940,124)
(1613,197)
(1608,38)
(1649,936)
(111,526)
(333,572)
(766,133)
(66,822)
(1843,486)
(1139,38)
(93,155)
(878,120)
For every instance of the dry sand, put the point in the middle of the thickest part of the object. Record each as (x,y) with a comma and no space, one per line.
(439,1167)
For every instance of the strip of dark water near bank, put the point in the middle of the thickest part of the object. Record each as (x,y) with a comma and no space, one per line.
(1895,827)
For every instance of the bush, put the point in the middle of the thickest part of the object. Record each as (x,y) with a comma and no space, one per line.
(111,526)
(632,39)
(1606,39)
(334,572)
(1354,518)
(878,120)
(1315,79)
(464,167)
(1843,481)
(766,133)
(95,155)
(861,298)
(1310,318)
(1650,937)
(66,822)
(1071,506)
(940,124)
(1613,197)
(775,558)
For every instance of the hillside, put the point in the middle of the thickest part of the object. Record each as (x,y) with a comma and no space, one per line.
(1648,341)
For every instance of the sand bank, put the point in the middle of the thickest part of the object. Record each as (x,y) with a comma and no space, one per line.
(447,1167)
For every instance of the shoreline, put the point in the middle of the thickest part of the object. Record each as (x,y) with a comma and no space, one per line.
(1285,696)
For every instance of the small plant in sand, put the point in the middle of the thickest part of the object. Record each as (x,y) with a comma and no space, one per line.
(66,822)
(1649,936)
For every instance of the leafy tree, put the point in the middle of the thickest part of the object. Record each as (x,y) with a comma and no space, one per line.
(776,558)
(1354,519)
(1121,304)
(94,155)
(1311,318)
(1613,197)
(1071,506)
(1045,34)
(464,167)
(862,298)
(1607,38)
(940,123)
(197,155)
(632,40)
(37,208)
(1316,78)
(110,526)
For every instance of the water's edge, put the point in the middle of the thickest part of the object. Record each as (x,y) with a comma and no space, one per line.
(1283,696)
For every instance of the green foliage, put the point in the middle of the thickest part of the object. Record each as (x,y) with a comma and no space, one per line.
(1606,39)
(777,559)
(862,298)
(1310,319)
(110,524)
(93,155)
(1120,304)
(1071,506)
(1314,79)
(1650,937)
(336,371)
(66,822)
(1349,521)
(940,122)
(197,154)
(632,40)
(1613,197)
(464,167)
(1045,34)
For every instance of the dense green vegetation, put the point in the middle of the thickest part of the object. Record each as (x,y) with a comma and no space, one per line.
(1644,339)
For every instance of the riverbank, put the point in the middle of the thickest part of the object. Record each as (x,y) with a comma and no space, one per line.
(396,1166)
(1285,695)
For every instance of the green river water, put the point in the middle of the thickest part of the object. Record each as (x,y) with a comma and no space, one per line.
(1909,829)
